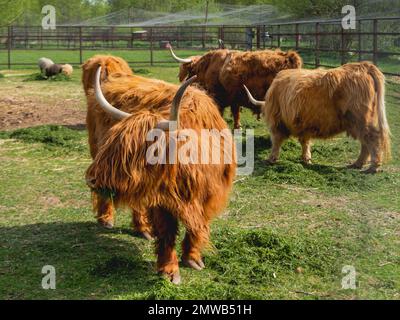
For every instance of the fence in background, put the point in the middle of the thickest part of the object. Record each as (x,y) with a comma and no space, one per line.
(321,43)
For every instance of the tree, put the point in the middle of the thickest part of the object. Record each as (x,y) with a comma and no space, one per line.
(10,11)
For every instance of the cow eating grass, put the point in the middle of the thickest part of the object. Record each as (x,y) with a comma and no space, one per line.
(310,104)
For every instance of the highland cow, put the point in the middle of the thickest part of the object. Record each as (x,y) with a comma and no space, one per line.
(223,72)
(98,123)
(190,193)
(310,104)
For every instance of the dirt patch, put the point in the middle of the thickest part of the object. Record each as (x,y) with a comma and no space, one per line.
(22,112)
(27,104)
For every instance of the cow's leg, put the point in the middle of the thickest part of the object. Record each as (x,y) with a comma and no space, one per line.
(105,211)
(165,228)
(362,158)
(196,238)
(236,116)
(306,150)
(277,138)
(141,224)
(372,140)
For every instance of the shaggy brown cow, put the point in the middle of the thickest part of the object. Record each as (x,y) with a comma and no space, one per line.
(223,72)
(191,193)
(98,123)
(319,103)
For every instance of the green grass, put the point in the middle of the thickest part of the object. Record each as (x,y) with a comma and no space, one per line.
(286,234)
(162,57)
(40,77)
(136,57)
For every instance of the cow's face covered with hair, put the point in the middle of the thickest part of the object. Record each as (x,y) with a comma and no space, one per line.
(186,69)
(166,193)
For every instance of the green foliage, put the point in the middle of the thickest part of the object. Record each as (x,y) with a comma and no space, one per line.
(40,77)
(56,138)
(10,11)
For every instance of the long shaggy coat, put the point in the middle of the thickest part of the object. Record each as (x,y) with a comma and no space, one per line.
(222,73)
(190,193)
(319,103)
(98,123)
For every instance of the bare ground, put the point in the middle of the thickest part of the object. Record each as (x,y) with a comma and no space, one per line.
(27,104)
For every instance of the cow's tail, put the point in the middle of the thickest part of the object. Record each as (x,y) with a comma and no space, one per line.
(379,82)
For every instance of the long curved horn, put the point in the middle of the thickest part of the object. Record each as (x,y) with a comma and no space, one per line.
(174,114)
(252,100)
(180,60)
(114,112)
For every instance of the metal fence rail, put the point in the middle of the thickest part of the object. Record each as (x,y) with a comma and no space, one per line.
(321,43)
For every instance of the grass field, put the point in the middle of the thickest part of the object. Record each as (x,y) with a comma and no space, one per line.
(287,233)
(162,58)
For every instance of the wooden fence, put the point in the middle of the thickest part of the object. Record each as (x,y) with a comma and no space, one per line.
(321,43)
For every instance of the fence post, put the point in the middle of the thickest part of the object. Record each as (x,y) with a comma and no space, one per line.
(263,35)
(297,36)
(221,32)
(80,46)
(9,47)
(359,41)
(342,47)
(178,30)
(151,47)
(375,42)
(258,37)
(317,62)
(279,35)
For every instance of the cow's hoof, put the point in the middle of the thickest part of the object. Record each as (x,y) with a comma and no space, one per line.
(354,165)
(197,265)
(106,224)
(175,277)
(370,170)
(307,161)
(271,161)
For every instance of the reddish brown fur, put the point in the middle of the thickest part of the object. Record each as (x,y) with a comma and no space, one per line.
(223,73)
(192,193)
(98,123)
(322,103)
(187,68)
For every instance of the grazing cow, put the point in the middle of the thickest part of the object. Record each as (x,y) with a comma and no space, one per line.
(190,193)
(319,103)
(223,72)
(98,124)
